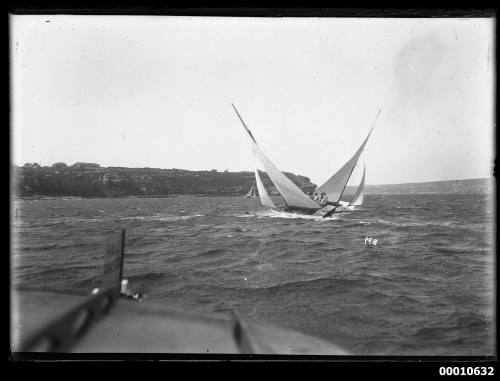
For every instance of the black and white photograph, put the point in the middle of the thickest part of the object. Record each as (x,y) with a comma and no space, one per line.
(209,185)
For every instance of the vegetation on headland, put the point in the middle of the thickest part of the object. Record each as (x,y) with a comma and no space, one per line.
(91,180)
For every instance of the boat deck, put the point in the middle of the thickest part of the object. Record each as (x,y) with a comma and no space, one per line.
(143,327)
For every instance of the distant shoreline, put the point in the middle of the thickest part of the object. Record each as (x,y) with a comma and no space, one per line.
(144,196)
(89,180)
(27,198)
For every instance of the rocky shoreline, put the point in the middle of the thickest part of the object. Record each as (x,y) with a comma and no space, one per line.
(91,180)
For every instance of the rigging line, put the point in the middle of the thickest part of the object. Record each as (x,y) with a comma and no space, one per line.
(375,121)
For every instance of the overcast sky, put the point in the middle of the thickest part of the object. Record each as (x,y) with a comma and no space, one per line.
(149,91)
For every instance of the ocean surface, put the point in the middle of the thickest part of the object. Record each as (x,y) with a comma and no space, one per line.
(426,287)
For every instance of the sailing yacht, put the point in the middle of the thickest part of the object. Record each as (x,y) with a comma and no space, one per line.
(296,201)
(251,193)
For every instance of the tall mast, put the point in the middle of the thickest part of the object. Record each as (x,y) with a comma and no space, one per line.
(243,123)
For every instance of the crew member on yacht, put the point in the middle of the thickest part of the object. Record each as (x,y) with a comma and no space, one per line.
(324,201)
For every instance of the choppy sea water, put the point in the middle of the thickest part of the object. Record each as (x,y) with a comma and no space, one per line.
(426,287)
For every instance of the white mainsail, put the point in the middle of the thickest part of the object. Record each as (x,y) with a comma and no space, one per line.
(357,200)
(290,192)
(335,185)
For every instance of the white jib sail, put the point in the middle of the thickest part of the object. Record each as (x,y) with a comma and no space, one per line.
(357,200)
(335,185)
(264,196)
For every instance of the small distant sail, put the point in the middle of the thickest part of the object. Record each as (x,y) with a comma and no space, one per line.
(290,192)
(251,192)
(334,187)
(357,200)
